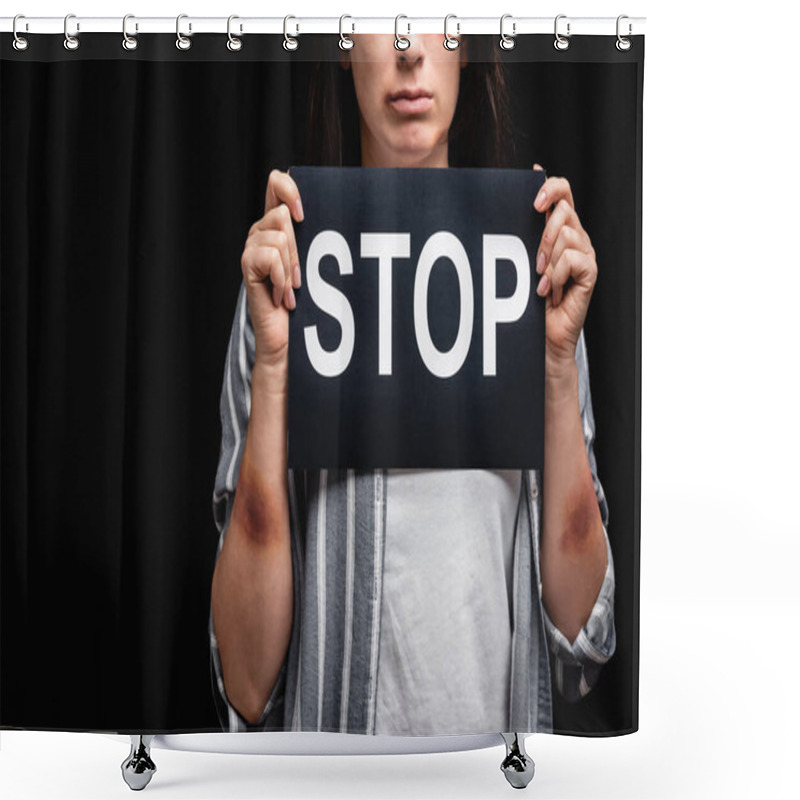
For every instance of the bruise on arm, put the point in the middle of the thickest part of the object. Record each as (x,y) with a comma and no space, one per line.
(257,507)
(574,560)
(581,516)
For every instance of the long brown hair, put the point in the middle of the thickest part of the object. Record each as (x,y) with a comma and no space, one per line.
(480,135)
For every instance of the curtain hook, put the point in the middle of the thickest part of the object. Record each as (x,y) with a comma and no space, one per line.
(345,42)
(234,43)
(20,42)
(623,43)
(129,42)
(450,42)
(290,43)
(508,42)
(561,42)
(182,42)
(401,42)
(71,42)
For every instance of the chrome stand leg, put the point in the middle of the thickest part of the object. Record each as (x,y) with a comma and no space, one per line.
(138,768)
(517,766)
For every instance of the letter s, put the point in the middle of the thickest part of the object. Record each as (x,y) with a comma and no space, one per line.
(329,299)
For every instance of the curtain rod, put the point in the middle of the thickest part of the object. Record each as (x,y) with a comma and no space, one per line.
(297,25)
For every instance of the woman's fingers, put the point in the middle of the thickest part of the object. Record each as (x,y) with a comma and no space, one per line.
(281,242)
(279,218)
(261,264)
(568,237)
(553,190)
(277,275)
(264,259)
(574,264)
(560,273)
(282,204)
(281,188)
(563,214)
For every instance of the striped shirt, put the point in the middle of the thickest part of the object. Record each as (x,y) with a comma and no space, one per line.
(328,679)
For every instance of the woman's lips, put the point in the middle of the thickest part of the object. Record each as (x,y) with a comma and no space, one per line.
(411,102)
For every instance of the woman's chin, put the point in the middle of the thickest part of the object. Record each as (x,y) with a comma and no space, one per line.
(413,151)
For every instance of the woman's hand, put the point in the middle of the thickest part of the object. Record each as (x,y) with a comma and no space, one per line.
(566,263)
(271,269)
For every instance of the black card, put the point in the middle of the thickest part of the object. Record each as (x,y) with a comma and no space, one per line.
(395,360)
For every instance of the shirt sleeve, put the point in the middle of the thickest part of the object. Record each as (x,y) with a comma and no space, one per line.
(577,665)
(234,416)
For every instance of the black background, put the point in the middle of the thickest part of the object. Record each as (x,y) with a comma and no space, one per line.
(129,183)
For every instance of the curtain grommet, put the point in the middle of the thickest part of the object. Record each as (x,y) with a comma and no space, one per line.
(182,42)
(401,42)
(450,42)
(71,42)
(129,42)
(623,44)
(561,42)
(345,42)
(234,43)
(508,42)
(20,43)
(290,43)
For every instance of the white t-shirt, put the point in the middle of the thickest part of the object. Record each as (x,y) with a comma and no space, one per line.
(445,649)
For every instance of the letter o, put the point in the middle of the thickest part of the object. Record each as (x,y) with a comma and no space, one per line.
(447,245)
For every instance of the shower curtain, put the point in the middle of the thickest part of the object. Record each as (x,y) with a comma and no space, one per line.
(367,462)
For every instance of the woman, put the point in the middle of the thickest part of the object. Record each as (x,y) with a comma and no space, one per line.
(443,637)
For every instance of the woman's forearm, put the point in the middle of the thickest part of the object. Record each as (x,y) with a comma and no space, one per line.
(252,590)
(573,553)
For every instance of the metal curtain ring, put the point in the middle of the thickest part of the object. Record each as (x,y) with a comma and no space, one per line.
(182,42)
(450,42)
(623,43)
(507,42)
(20,42)
(345,42)
(290,43)
(561,42)
(234,44)
(129,42)
(401,42)
(70,42)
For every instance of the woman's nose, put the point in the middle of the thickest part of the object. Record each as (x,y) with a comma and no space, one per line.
(411,56)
